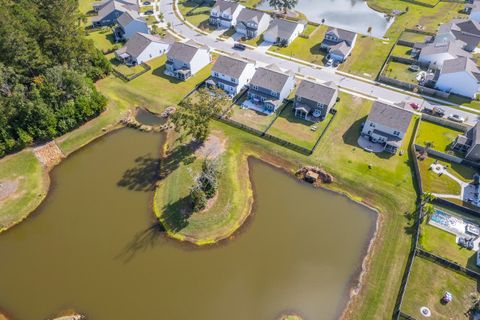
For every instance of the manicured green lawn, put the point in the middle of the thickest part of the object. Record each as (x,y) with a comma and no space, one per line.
(306,49)
(199,16)
(427,285)
(439,136)
(251,118)
(145,8)
(401,51)
(432,182)
(443,244)
(103,39)
(296,130)
(400,71)
(412,37)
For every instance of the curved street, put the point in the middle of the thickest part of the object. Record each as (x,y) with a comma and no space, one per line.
(346,82)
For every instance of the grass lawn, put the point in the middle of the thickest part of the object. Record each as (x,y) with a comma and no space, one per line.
(400,71)
(103,39)
(441,137)
(443,244)
(412,37)
(432,182)
(306,49)
(401,51)
(251,118)
(150,20)
(427,285)
(254,41)
(198,16)
(296,130)
(24,168)
(145,8)
(128,71)
(466,102)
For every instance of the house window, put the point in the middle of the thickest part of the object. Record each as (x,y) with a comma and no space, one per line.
(232,79)
(215,74)
(396,133)
(371,124)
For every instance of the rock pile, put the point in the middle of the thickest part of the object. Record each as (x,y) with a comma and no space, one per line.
(314,175)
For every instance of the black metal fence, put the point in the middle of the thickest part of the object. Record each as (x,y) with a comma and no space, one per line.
(124,77)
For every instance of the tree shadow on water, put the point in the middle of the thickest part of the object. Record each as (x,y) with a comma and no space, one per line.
(143,176)
(143,240)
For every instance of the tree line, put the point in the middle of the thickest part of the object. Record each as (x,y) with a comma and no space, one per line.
(47,72)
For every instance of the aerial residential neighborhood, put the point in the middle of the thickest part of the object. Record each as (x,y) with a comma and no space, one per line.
(224,159)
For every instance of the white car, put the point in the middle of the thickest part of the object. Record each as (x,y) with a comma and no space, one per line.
(456,118)
(329,63)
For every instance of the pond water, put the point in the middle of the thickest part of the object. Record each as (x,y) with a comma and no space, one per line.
(353,15)
(148,118)
(94,246)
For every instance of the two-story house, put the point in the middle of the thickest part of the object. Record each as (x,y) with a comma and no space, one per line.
(469,143)
(185,59)
(252,23)
(283,32)
(313,101)
(387,125)
(466,31)
(339,43)
(141,48)
(129,23)
(436,53)
(474,11)
(268,88)
(98,5)
(224,13)
(460,76)
(108,14)
(232,74)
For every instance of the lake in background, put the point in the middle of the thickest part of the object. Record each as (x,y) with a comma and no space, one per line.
(94,246)
(353,15)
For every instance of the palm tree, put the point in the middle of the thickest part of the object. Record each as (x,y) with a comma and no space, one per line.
(427,209)
(283,5)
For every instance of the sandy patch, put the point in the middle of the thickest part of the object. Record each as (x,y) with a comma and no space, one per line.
(8,188)
(49,154)
(213,147)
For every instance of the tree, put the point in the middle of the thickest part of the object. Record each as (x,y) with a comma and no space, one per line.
(283,5)
(427,209)
(194,114)
(198,198)
(369,30)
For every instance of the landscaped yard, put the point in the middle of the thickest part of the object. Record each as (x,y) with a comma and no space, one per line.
(432,182)
(439,136)
(427,285)
(251,118)
(306,49)
(104,39)
(195,14)
(146,8)
(402,51)
(296,130)
(443,244)
(399,71)
(413,37)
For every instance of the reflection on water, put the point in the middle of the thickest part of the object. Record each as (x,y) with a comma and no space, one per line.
(95,247)
(354,15)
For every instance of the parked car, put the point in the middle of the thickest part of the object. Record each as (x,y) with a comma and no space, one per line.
(456,118)
(414,106)
(148,12)
(437,111)
(329,63)
(239,46)
(147,3)
(414,67)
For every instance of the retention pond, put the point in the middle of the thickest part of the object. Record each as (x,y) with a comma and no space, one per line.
(94,246)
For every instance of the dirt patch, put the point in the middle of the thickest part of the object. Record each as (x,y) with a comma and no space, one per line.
(49,154)
(213,147)
(8,188)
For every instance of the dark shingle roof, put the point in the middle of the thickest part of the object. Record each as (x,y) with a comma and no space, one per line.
(342,34)
(226,6)
(390,116)
(320,93)
(460,64)
(183,51)
(138,43)
(250,15)
(230,66)
(127,17)
(112,6)
(271,78)
(282,28)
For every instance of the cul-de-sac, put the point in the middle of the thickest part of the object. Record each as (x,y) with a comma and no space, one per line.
(239,159)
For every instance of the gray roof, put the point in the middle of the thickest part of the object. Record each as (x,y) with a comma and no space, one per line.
(230,66)
(460,64)
(127,17)
(225,6)
(320,93)
(271,78)
(468,26)
(341,48)
(282,28)
(390,116)
(112,6)
(250,15)
(455,48)
(184,51)
(138,43)
(342,34)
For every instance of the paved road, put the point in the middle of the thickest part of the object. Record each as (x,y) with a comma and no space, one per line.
(368,88)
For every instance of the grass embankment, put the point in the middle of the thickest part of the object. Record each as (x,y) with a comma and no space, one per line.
(427,285)
(387,185)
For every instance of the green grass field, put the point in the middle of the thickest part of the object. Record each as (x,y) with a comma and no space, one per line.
(427,285)
(199,16)
(103,39)
(399,71)
(401,51)
(439,136)
(432,182)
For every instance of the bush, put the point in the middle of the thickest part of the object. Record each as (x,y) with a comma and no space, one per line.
(198,197)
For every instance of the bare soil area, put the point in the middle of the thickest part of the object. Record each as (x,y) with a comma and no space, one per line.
(49,154)
(213,147)
(8,189)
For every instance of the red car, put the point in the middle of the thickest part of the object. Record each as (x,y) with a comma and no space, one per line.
(414,106)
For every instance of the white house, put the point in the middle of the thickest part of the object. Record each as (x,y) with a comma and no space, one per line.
(98,5)
(141,48)
(129,23)
(269,86)
(339,43)
(474,9)
(252,23)
(387,124)
(185,59)
(232,74)
(460,76)
(224,13)
(110,12)
(283,31)
(437,53)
